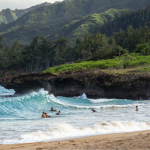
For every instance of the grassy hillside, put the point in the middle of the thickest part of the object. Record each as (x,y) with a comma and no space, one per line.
(136,64)
(8,15)
(49,20)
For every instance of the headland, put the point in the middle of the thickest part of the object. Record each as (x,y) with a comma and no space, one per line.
(94,83)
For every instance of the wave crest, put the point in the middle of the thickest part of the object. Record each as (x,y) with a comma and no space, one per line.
(54,99)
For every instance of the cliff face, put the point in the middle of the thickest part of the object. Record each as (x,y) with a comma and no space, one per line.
(94,83)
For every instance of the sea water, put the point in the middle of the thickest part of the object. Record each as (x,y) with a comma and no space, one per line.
(21,122)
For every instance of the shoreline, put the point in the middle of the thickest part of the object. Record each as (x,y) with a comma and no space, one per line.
(126,140)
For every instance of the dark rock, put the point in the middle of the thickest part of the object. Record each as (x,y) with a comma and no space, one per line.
(94,83)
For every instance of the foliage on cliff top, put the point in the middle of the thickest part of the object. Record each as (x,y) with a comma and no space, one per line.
(130,61)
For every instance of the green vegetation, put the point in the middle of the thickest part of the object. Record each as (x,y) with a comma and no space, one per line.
(81,27)
(137,61)
(68,19)
(85,65)
(94,51)
(126,50)
(135,18)
(142,70)
(42,53)
(8,15)
(143,49)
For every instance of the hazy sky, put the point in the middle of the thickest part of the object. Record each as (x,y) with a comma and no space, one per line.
(20,4)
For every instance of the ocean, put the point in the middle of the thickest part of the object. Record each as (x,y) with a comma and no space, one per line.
(21,122)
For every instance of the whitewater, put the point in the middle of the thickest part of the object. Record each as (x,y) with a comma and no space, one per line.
(21,122)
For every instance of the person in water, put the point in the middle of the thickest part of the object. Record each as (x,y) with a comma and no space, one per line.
(94,110)
(47,116)
(52,109)
(137,109)
(58,113)
(43,115)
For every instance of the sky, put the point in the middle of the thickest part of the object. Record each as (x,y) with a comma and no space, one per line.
(21,4)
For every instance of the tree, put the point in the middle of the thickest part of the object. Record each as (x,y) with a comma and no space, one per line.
(4,59)
(146,50)
(26,55)
(1,45)
(124,60)
(16,53)
(119,51)
(60,47)
(34,52)
(105,49)
(48,52)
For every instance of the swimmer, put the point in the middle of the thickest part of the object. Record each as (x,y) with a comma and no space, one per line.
(47,116)
(58,113)
(52,109)
(137,109)
(94,110)
(43,115)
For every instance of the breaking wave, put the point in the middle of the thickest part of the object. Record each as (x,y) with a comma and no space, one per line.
(98,101)
(29,106)
(64,130)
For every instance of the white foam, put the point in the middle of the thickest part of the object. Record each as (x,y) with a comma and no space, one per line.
(83,96)
(121,106)
(97,101)
(5,92)
(65,130)
(54,99)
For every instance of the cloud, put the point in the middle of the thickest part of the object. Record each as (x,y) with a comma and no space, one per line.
(21,4)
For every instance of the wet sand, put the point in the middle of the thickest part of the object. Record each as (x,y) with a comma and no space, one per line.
(119,141)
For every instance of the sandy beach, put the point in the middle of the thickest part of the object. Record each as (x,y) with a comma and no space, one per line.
(117,141)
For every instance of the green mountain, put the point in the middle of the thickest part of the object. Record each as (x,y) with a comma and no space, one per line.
(52,20)
(8,15)
(80,27)
(135,18)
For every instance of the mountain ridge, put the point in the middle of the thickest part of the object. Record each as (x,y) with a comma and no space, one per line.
(7,15)
(48,20)
(83,25)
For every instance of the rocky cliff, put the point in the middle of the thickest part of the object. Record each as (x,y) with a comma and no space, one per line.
(95,83)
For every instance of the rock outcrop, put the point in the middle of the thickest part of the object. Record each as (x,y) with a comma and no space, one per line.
(94,83)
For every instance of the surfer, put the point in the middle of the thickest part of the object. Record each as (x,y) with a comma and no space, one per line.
(58,113)
(43,115)
(94,110)
(47,116)
(52,109)
(137,109)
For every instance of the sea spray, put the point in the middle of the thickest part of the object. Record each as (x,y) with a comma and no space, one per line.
(83,96)
(5,92)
